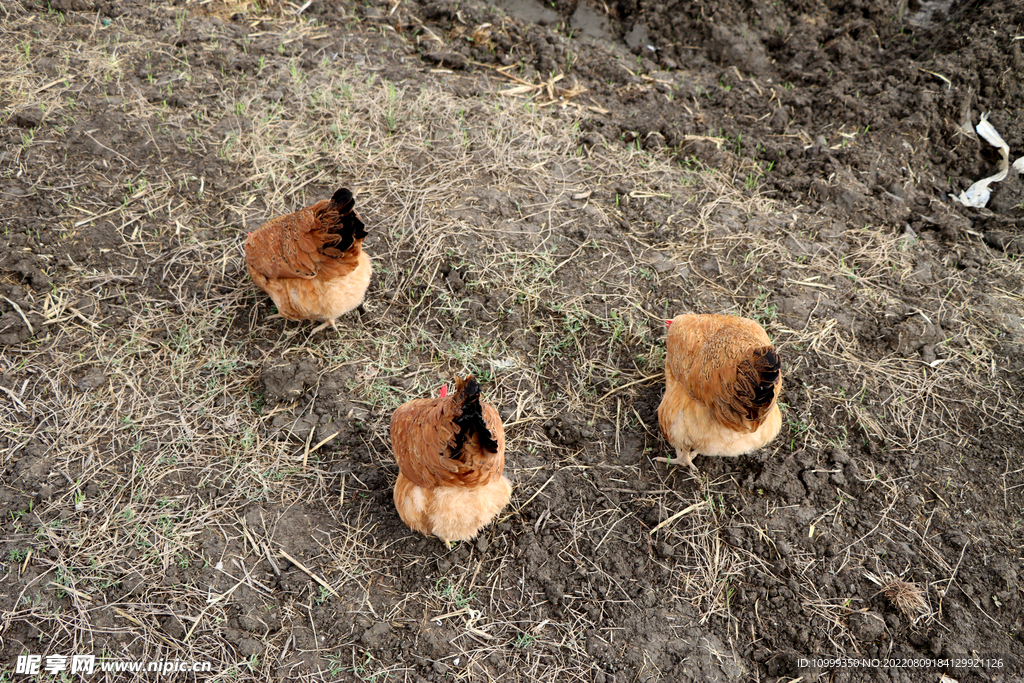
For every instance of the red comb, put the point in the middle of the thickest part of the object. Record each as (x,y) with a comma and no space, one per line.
(444,390)
(668,323)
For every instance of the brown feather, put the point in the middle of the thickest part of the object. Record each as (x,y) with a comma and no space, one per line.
(424,437)
(311,261)
(723,379)
(435,452)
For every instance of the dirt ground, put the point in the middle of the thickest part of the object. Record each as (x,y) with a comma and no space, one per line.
(182,478)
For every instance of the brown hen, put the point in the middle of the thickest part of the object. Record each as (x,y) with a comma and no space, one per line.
(311,262)
(723,379)
(451,457)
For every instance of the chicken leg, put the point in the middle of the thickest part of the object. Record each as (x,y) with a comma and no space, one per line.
(682,458)
(329,323)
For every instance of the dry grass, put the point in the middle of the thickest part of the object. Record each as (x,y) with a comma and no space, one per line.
(906,596)
(160,467)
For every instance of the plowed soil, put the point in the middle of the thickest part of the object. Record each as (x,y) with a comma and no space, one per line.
(183,478)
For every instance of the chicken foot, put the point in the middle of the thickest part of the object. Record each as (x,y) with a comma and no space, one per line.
(681,459)
(329,323)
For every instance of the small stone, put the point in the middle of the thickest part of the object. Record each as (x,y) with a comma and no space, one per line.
(447,58)
(664,266)
(28,118)
(92,379)
(867,627)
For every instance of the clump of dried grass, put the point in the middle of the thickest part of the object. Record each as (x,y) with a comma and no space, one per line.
(906,596)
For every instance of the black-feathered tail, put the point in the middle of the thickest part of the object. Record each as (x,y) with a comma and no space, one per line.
(758,376)
(347,227)
(471,421)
